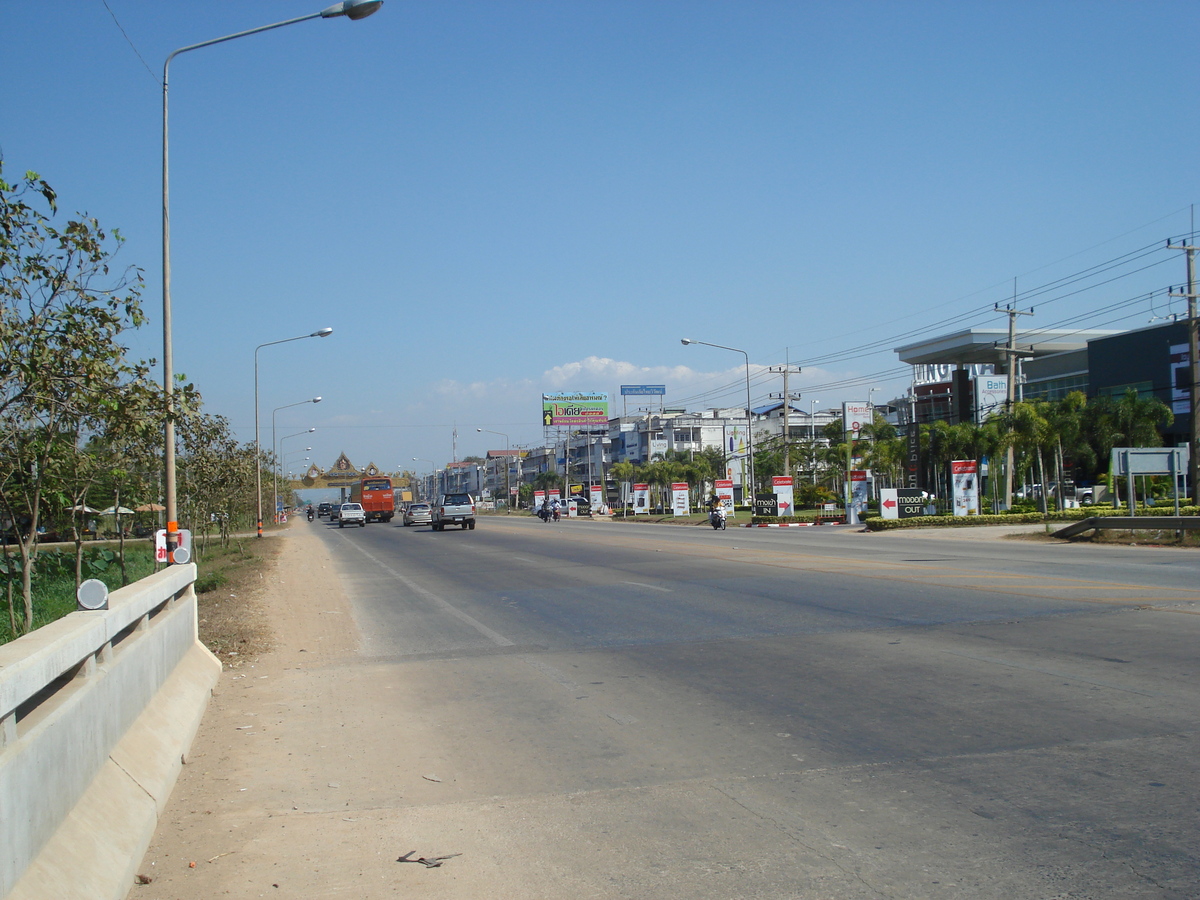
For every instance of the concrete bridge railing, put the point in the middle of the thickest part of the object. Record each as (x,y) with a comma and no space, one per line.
(97,712)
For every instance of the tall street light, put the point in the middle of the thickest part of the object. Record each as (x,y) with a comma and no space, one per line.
(276,465)
(749,411)
(507,468)
(281,440)
(319,333)
(351,9)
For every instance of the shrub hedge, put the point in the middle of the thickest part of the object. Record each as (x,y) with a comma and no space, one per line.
(875,523)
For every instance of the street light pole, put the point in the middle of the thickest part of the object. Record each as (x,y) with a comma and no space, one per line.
(281,440)
(320,332)
(507,468)
(749,411)
(351,9)
(276,464)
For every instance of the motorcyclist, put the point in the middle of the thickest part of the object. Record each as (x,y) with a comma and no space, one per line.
(310,512)
(716,511)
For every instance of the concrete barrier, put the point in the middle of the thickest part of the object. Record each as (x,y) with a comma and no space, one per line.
(97,712)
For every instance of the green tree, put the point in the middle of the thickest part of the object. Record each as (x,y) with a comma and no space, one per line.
(63,308)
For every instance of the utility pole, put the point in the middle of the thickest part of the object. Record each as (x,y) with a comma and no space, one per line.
(1011,354)
(1193,366)
(787,399)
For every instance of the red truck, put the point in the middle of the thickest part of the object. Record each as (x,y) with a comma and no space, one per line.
(376,496)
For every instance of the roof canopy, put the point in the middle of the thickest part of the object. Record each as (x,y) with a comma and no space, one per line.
(979,345)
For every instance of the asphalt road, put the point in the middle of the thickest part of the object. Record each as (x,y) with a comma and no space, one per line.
(651,711)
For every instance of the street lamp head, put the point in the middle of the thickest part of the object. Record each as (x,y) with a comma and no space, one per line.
(352,9)
(312,429)
(316,399)
(322,332)
(479,429)
(685,341)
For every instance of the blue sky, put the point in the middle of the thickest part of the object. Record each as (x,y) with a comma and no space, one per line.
(492,200)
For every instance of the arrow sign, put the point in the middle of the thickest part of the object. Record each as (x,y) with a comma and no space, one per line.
(889,503)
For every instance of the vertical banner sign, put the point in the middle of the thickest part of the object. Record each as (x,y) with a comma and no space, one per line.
(641,498)
(856,414)
(991,394)
(554,495)
(784,494)
(858,493)
(736,449)
(679,498)
(596,496)
(539,497)
(964,475)
(912,464)
(724,489)
(1181,379)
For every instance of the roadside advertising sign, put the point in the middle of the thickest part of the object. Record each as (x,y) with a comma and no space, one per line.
(901,503)
(766,505)
(643,390)
(856,414)
(554,495)
(724,489)
(679,498)
(1181,379)
(539,497)
(859,480)
(641,498)
(964,474)
(576,408)
(596,496)
(991,394)
(784,494)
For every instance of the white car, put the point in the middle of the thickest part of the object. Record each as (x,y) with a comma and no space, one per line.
(351,513)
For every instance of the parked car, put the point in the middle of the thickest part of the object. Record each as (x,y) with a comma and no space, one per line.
(351,514)
(418,514)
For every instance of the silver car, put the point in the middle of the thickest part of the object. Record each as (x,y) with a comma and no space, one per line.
(418,514)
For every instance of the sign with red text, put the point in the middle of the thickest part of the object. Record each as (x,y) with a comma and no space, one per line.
(784,494)
(679,498)
(964,486)
(641,498)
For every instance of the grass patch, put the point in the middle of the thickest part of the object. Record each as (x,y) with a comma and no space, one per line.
(228,582)
(54,580)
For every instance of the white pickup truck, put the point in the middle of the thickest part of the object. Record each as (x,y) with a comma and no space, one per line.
(351,514)
(454,509)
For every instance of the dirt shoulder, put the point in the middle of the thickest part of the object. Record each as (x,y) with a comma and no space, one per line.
(279,617)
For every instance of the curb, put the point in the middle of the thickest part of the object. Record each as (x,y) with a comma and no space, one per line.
(780,525)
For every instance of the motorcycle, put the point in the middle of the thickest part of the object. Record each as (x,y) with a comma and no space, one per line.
(716,518)
(310,514)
